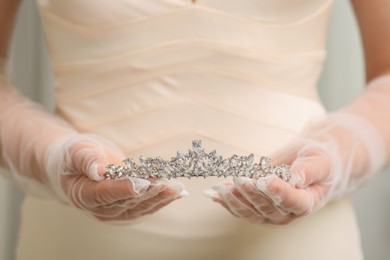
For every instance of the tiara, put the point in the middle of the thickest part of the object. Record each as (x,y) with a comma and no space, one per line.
(197,163)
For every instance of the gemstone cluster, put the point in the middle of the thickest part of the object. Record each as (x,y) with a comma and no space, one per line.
(197,163)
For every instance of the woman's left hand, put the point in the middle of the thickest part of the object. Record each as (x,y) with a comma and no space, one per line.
(272,200)
(333,157)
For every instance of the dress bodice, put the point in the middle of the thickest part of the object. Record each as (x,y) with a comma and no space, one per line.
(153,75)
(187,60)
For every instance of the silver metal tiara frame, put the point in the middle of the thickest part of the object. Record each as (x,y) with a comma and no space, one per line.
(197,163)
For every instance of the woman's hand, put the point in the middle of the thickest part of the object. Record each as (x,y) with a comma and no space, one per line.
(45,155)
(332,157)
(80,165)
(315,177)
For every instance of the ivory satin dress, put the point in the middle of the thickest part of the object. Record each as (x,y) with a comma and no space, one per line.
(152,75)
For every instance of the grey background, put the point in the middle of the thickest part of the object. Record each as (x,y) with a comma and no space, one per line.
(341,81)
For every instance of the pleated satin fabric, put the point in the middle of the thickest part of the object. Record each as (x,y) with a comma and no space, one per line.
(154,75)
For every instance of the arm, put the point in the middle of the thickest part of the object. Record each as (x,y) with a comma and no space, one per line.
(374,23)
(8,11)
(336,154)
(43,152)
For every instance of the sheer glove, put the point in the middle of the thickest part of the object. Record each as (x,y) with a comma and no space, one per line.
(47,157)
(334,156)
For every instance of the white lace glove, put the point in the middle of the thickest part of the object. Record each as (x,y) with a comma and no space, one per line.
(46,156)
(333,157)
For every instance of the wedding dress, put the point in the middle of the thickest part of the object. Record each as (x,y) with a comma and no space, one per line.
(154,75)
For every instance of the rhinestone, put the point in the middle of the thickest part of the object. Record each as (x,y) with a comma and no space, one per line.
(197,163)
(264,162)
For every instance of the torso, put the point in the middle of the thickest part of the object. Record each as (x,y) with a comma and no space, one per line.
(154,75)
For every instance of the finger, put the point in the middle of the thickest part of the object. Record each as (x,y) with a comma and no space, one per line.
(156,203)
(311,169)
(287,155)
(135,206)
(235,205)
(259,217)
(297,201)
(281,221)
(153,191)
(158,188)
(223,204)
(239,195)
(89,154)
(109,191)
(260,201)
(159,206)
(87,193)
(107,212)
(214,195)
(145,207)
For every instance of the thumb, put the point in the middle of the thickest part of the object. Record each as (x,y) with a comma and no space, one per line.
(89,154)
(309,161)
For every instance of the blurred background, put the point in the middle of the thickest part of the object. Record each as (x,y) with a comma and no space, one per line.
(341,81)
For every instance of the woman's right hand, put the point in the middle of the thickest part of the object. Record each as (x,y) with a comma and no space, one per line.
(80,164)
(45,155)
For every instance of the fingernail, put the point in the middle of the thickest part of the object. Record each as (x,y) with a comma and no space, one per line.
(211,194)
(140,186)
(241,181)
(176,186)
(263,182)
(276,198)
(296,181)
(184,193)
(93,173)
(222,188)
(159,182)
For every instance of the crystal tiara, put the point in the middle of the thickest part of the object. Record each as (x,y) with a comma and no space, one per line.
(197,163)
